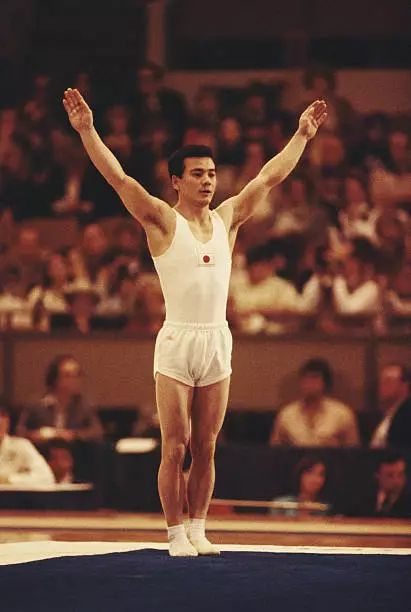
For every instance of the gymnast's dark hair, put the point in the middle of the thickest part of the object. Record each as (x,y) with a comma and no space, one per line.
(176,161)
(53,370)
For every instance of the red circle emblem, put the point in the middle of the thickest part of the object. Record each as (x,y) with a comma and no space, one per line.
(206,259)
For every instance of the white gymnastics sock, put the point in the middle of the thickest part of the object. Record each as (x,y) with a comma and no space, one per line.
(180,545)
(196,533)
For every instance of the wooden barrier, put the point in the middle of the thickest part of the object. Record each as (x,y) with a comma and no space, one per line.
(277,505)
(118,368)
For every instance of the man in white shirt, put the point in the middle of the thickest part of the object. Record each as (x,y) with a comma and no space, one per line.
(20,462)
(356,291)
(266,295)
(315,419)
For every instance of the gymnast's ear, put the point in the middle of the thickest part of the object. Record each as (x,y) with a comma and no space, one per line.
(175,182)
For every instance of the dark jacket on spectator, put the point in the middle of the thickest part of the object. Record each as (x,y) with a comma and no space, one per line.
(399,433)
(367,507)
(78,417)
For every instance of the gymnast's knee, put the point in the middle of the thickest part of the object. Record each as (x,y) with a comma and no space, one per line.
(173,450)
(203,450)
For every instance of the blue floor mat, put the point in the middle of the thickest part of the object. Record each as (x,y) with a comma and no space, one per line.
(150,581)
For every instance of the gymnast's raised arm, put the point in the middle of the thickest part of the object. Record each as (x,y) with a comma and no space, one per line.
(147,209)
(238,209)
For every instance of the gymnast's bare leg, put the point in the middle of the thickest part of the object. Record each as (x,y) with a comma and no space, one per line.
(206,406)
(207,416)
(174,400)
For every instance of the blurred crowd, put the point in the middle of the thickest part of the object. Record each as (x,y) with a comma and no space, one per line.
(330,250)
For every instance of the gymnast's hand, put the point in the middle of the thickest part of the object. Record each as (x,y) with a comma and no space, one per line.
(312,118)
(79,113)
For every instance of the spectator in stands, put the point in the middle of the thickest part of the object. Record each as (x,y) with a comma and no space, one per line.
(388,496)
(125,289)
(17,190)
(149,310)
(399,293)
(329,192)
(9,131)
(127,249)
(355,218)
(356,290)
(392,499)
(329,154)
(118,137)
(399,149)
(49,297)
(316,419)
(27,256)
(125,265)
(13,286)
(6,223)
(206,109)
(254,110)
(230,143)
(82,298)
(198,134)
(320,83)
(15,311)
(372,147)
(295,212)
(159,141)
(152,147)
(20,462)
(388,189)
(394,429)
(67,184)
(265,296)
(63,412)
(38,109)
(60,458)
(309,481)
(390,227)
(90,259)
(230,157)
(152,101)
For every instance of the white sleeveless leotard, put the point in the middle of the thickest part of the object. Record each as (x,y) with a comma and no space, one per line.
(195,276)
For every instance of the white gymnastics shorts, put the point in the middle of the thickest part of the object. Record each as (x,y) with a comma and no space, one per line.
(194,354)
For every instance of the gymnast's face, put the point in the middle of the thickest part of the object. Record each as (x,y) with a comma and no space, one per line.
(198,183)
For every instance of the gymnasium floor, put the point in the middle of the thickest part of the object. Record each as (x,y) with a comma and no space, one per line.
(27,536)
